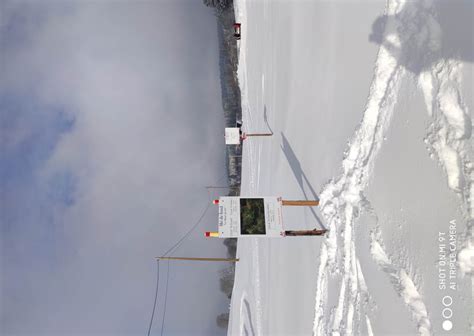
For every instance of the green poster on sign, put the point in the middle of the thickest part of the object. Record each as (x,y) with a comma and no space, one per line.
(252,216)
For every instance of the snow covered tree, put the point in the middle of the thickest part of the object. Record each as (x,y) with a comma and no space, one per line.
(217,4)
(226,281)
(222,320)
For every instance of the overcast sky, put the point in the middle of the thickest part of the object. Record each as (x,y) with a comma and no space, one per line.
(111,126)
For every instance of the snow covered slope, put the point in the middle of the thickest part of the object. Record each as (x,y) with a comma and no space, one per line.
(369,108)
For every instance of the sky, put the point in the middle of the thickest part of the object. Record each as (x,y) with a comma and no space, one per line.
(111,126)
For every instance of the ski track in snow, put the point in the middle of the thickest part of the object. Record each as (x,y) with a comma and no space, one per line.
(258,295)
(342,200)
(370,332)
(403,284)
(449,138)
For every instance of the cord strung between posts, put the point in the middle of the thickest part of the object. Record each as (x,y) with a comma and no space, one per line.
(166,299)
(156,294)
(174,247)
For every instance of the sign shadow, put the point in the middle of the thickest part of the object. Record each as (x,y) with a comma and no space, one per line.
(300,175)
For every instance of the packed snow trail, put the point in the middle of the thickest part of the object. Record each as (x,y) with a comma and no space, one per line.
(342,200)
(449,139)
(402,283)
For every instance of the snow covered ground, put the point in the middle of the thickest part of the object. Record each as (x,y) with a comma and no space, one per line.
(371,108)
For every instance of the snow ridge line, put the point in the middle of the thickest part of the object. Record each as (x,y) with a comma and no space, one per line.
(403,284)
(370,332)
(242,320)
(258,296)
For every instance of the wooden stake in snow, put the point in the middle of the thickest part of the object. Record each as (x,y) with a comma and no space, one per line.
(299,203)
(295,233)
(246,135)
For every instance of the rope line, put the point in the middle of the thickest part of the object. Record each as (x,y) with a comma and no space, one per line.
(174,247)
(166,299)
(169,251)
(156,294)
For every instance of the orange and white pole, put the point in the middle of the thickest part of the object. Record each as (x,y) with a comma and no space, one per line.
(211,234)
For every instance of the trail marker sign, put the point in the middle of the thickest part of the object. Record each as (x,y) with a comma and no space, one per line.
(232,136)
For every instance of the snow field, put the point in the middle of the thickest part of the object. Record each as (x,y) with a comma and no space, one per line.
(347,300)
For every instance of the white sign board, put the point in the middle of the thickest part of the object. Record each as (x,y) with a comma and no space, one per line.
(250,216)
(232,136)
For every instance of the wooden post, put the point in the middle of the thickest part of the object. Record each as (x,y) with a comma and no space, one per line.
(300,203)
(198,259)
(313,232)
(218,187)
(258,134)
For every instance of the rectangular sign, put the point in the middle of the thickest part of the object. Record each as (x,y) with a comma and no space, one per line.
(250,216)
(232,136)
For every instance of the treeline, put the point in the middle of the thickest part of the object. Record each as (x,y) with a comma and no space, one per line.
(231,104)
(230,89)
(219,5)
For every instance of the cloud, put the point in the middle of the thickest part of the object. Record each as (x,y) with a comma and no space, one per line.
(112,126)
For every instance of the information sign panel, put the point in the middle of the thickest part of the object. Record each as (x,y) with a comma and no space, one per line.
(232,136)
(250,216)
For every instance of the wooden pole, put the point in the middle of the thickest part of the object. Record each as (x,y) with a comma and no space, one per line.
(300,203)
(198,259)
(258,134)
(219,187)
(313,232)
